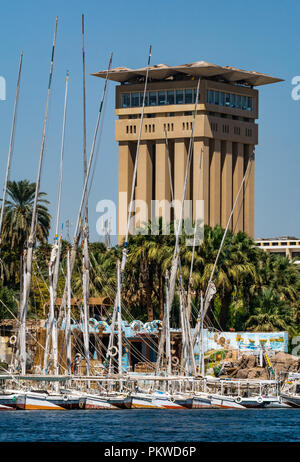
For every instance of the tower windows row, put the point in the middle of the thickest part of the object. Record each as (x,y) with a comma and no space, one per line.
(232,100)
(160,98)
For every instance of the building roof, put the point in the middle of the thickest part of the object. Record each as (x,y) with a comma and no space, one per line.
(161,72)
(282,238)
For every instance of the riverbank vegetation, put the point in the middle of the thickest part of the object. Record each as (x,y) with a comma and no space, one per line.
(256,290)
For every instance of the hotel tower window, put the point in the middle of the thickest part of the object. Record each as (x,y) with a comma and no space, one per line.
(161,97)
(146,99)
(233,101)
(188,93)
(179,97)
(126,100)
(152,98)
(170,97)
(210,97)
(135,100)
(227,99)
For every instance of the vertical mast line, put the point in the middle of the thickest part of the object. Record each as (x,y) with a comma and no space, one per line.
(177,231)
(124,258)
(68,322)
(185,324)
(56,250)
(194,241)
(247,172)
(79,219)
(61,155)
(84,116)
(11,144)
(92,150)
(249,166)
(32,235)
(37,189)
(120,369)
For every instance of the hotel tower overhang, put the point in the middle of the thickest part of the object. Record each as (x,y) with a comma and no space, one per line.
(225,135)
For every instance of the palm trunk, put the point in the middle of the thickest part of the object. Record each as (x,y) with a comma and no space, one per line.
(149,299)
(225,310)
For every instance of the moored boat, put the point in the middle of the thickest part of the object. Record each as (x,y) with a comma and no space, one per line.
(94,401)
(12,399)
(40,401)
(165,400)
(201,401)
(259,401)
(67,400)
(226,402)
(121,401)
(292,400)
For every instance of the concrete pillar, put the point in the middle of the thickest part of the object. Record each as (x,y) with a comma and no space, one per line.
(180,160)
(249,192)
(143,190)
(288,253)
(215,183)
(238,173)
(162,181)
(226,183)
(201,180)
(126,165)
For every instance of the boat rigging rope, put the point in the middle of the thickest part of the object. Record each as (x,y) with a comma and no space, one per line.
(247,172)
(11,145)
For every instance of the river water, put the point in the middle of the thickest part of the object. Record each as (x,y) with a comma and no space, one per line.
(255,425)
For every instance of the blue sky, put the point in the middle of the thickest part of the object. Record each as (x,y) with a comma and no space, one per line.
(256,35)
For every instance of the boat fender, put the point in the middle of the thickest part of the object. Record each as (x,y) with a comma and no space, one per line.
(65,398)
(12,339)
(259,400)
(172,399)
(81,403)
(238,399)
(113,351)
(175,361)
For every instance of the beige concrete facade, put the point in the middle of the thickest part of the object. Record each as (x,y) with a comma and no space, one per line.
(287,246)
(225,134)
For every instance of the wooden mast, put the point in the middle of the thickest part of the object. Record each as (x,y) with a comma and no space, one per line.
(176,254)
(85,253)
(124,256)
(28,254)
(55,257)
(78,225)
(11,145)
(68,317)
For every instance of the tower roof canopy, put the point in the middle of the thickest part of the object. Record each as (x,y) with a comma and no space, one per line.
(160,72)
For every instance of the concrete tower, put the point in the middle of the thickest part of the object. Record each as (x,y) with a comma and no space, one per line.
(225,135)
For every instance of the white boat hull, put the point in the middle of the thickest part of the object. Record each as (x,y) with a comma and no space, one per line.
(98,402)
(219,401)
(39,401)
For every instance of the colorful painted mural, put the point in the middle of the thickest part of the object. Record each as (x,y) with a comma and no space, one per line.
(245,341)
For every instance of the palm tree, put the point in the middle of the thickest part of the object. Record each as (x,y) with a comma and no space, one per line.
(236,266)
(17,220)
(149,256)
(270,314)
(18,214)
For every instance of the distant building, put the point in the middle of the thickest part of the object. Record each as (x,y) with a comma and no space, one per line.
(225,133)
(287,246)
